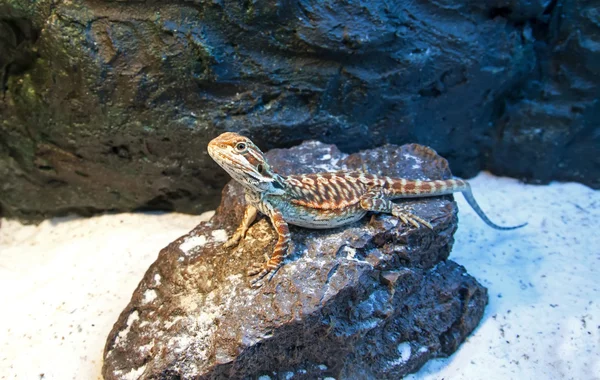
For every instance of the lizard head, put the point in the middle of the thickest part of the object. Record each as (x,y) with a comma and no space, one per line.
(245,163)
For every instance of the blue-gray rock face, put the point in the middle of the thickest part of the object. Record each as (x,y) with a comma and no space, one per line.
(110,105)
(372,300)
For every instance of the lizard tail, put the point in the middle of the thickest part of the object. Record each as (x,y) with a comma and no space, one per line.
(466,192)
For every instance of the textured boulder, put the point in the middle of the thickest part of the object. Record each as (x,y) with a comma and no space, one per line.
(109,105)
(549,128)
(371,300)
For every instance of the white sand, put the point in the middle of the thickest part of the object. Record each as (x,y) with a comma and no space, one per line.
(65,282)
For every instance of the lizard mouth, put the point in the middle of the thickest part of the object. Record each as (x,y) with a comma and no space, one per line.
(225,160)
(218,155)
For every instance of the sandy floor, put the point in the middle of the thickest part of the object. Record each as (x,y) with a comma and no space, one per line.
(65,281)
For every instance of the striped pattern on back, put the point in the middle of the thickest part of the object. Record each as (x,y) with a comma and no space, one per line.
(326,191)
(338,190)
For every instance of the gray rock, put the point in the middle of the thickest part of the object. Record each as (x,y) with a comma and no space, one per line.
(371,300)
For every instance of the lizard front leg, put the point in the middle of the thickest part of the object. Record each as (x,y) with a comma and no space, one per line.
(374,201)
(281,248)
(249,217)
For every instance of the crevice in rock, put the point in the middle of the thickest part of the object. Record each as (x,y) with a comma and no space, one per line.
(503,12)
(12,152)
(159,203)
(121,151)
(166,201)
(17,50)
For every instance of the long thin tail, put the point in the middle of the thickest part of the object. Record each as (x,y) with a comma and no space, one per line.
(403,188)
(473,203)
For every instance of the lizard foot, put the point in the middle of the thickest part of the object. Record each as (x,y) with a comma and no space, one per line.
(410,218)
(259,271)
(231,242)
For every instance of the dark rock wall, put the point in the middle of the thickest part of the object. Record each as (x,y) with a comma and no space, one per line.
(109,105)
(549,128)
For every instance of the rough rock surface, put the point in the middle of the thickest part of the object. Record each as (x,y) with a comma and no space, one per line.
(369,301)
(109,105)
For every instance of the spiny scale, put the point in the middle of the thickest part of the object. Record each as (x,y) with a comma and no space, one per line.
(322,200)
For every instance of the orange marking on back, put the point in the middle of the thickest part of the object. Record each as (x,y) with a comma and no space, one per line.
(294,182)
(425,187)
(308,181)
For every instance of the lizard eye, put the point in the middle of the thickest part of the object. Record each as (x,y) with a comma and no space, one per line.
(260,168)
(240,146)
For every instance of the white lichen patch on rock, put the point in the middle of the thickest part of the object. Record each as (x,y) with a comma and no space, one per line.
(157,279)
(130,320)
(405,352)
(329,163)
(189,302)
(146,348)
(170,323)
(417,160)
(149,296)
(197,336)
(235,278)
(194,333)
(219,235)
(134,374)
(180,343)
(192,242)
(350,253)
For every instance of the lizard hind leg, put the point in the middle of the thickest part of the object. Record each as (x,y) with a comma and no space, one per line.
(373,202)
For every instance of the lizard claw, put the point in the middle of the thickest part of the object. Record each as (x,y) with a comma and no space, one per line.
(238,235)
(231,242)
(258,271)
(409,218)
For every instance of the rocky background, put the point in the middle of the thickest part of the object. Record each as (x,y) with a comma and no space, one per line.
(110,105)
